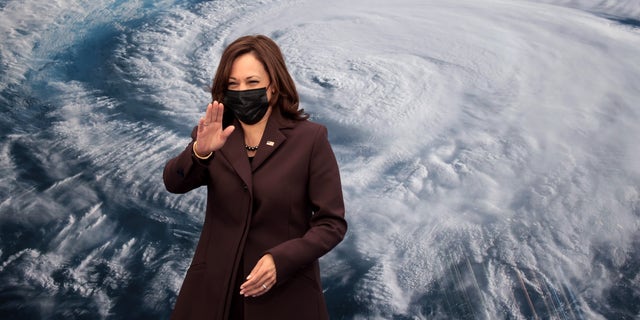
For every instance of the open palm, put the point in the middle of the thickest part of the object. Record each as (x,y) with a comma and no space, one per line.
(211,136)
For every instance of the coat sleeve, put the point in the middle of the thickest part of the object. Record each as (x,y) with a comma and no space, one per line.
(328,225)
(185,172)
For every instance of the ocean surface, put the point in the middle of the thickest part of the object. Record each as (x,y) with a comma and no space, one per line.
(489,152)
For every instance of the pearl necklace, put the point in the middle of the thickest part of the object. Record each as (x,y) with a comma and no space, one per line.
(251,148)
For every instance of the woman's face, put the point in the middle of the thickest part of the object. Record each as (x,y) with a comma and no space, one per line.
(247,73)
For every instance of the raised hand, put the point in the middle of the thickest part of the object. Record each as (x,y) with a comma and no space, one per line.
(211,136)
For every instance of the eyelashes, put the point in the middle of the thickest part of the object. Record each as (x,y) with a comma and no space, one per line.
(249,83)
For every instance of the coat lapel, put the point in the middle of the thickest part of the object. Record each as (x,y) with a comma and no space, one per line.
(272,139)
(233,150)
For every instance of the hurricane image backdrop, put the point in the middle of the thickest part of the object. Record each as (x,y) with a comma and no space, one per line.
(489,152)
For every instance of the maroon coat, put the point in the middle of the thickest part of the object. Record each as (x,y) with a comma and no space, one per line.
(286,202)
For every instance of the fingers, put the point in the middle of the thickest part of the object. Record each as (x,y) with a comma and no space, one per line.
(261,278)
(227,131)
(202,125)
(257,283)
(215,110)
(214,113)
(218,111)
(209,116)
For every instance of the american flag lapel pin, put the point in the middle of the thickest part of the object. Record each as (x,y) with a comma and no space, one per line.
(270,143)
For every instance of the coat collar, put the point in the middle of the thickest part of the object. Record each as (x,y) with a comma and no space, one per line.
(272,138)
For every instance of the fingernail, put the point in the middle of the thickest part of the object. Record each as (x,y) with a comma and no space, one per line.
(248,277)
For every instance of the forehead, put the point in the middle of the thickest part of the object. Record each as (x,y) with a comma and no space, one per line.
(247,65)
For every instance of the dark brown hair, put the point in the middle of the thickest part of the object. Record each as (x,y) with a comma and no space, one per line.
(284,96)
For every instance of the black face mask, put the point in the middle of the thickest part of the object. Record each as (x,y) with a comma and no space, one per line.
(249,106)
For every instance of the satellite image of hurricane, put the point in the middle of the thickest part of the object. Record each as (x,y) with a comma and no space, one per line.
(489,152)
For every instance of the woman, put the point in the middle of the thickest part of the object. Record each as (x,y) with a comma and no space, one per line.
(274,198)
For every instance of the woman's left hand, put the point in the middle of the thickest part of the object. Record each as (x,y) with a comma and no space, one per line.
(261,279)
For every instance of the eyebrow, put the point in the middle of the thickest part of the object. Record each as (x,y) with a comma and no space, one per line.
(249,77)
